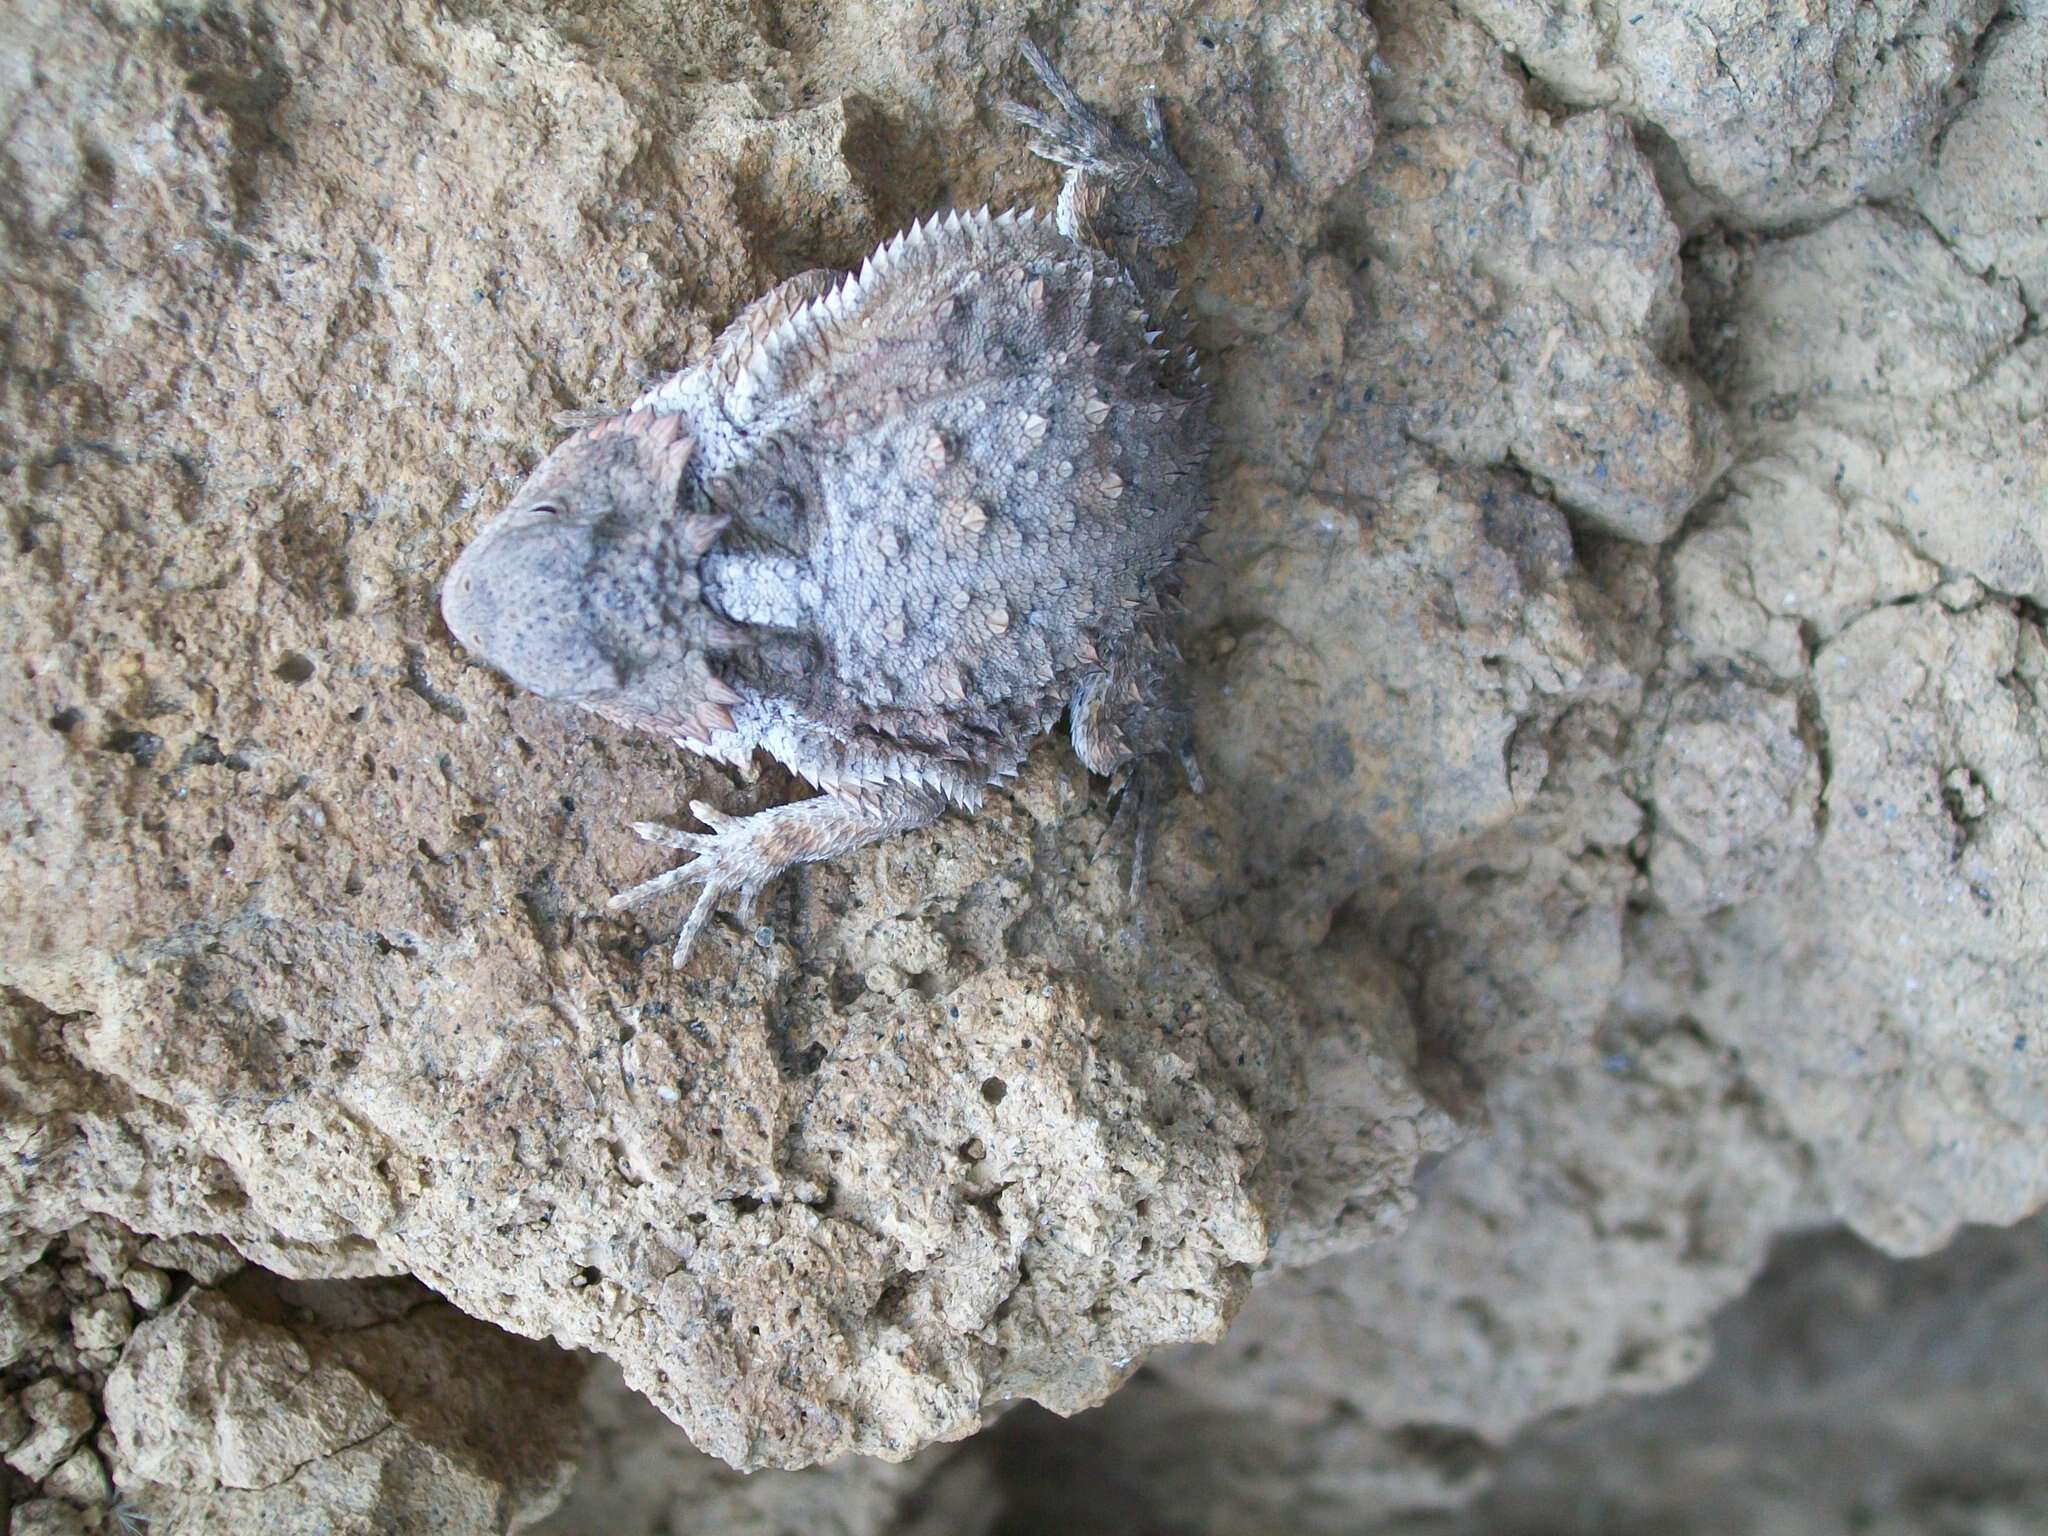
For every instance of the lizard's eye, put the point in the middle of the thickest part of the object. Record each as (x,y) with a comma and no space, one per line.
(545,509)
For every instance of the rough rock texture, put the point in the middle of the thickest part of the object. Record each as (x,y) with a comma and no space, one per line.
(1621,680)
(1878,558)
(168,1386)
(350,1406)
(1985,189)
(324,975)
(1767,115)
(1651,1179)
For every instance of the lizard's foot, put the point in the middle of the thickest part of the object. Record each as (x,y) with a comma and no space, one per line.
(725,859)
(1118,187)
(744,853)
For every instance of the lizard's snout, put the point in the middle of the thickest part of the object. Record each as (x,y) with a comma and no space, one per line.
(514,599)
(467,604)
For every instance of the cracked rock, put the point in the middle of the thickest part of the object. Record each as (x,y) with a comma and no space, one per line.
(1736,789)
(59,1417)
(1986,189)
(1910,950)
(370,1408)
(1547,1268)
(1871,303)
(1770,115)
(266,1406)
(331,943)
(1620,682)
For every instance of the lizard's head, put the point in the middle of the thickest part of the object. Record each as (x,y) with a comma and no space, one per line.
(589,579)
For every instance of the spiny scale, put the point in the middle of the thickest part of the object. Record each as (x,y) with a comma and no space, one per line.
(1072,458)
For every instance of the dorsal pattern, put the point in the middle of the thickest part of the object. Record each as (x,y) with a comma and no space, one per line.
(977,471)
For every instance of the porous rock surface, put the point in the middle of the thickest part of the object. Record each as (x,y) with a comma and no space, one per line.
(301,913)
(167,1385)
(1620,680)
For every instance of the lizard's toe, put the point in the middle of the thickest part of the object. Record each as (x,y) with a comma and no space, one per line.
(700,914)
(717,862)
(1155,125)
(712,816)
(672,838)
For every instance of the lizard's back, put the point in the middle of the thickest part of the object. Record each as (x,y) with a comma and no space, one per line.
(966,467)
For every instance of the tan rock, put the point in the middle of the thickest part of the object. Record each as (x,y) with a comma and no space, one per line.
(330,944)
(103,1321)
(377,1408)
(1770,115)
(81,1479)
(60,1417)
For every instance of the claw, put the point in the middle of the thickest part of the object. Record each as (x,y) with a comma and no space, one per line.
(661,836)
(647,890)
(1155,123)
(1133,822)
(1063,93)
(700,914)
(1037,121)
(1050,135)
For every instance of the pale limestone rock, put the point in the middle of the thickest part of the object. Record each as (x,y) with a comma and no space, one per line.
(103,1321)
(326,980)
(378,1408)
(1890,422)
(1769,115)
(147,1286)
(1578,1252)
(1736,789)
(1986,188)
(60,1417)
(205,1396)
(1871,303)
(298,920)
(81,1479)
(1910,950)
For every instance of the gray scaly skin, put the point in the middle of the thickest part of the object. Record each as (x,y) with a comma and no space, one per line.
(890,529)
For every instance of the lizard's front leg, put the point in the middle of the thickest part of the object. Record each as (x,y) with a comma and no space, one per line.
(1124,191)
(743,853)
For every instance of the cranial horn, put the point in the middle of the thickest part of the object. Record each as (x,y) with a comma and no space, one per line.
(701,531)
(662,438)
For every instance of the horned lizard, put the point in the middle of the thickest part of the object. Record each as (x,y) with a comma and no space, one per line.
(892,527)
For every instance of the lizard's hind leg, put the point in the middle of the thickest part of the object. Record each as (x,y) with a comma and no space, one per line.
(1120,191)
(1126,720)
